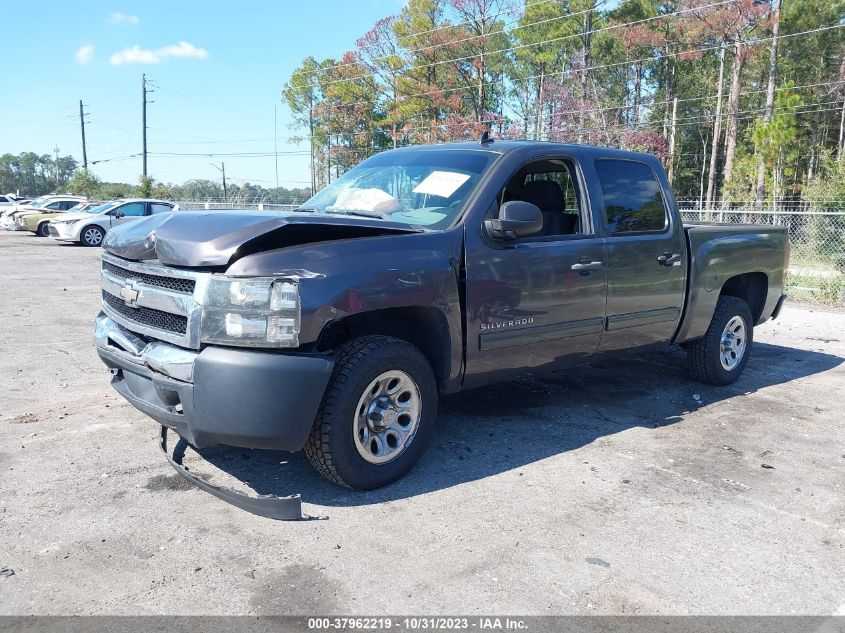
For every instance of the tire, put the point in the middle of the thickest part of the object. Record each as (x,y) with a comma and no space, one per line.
(43,230)
(348,447)
(91,236)
(714,364)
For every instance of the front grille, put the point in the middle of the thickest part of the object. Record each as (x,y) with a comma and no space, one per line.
(176,284)
(147,316)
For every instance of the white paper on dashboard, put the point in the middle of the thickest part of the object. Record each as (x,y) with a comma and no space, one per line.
(441,183)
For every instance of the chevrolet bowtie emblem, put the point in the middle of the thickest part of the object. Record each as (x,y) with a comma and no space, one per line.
(129,294)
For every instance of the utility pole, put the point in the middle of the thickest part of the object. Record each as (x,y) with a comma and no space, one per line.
(82,126)
(276,145)
(144,122)
(222,170)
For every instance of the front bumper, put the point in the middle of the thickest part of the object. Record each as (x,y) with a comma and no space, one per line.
(220,395)
(9,224)
(65,231)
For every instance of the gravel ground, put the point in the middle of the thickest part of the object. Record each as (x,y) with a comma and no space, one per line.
(618,488)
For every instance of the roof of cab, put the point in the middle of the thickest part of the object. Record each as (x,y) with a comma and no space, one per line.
(503,147)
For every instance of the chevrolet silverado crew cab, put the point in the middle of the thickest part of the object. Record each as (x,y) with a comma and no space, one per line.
(422,271)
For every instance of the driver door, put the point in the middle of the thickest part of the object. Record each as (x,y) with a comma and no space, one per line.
(536,302)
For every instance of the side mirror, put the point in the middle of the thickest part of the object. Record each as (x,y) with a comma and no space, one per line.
(118,214)
(516,219)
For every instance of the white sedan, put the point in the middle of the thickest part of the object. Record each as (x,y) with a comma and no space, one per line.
(90,227)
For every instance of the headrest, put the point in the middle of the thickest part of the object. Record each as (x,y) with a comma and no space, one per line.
(546,194)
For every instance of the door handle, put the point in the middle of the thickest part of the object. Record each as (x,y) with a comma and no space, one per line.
(669,259)
(585,265)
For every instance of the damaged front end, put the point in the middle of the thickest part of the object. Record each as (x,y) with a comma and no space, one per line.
(234,397)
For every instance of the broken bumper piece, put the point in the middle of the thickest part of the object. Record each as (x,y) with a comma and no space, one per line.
(270,506)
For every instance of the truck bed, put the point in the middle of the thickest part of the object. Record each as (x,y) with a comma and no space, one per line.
(719,252)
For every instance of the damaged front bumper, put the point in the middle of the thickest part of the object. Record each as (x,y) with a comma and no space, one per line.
(219,395)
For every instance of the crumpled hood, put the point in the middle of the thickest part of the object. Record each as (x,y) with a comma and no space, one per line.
(203,239)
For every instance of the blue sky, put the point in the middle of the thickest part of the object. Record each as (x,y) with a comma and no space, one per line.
(219,68)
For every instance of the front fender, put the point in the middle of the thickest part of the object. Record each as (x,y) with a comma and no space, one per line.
(360,275)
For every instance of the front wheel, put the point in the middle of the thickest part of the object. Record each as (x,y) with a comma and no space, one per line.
(43,230)
(377,414)
(720,356)
(92,236)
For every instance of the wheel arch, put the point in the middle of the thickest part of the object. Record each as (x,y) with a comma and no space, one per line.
(424,327)
(752,288)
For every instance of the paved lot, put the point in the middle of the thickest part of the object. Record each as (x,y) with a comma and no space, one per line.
(609,489)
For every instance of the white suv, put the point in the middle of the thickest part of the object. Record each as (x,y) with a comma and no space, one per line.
(90,227)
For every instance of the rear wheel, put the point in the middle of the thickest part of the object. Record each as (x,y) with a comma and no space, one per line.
(43,230)
(720,356)
(377,414)
(92,236)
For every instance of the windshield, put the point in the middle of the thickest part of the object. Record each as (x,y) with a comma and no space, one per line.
(421,188)
(39,202)
(100,208)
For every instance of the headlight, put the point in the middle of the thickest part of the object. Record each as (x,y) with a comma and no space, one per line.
(254,312)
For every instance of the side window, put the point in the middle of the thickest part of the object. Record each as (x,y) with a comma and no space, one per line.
(552,186)
(133,209)
(633,200)
(158,207)
(55,206)
(69,204)
(3,199)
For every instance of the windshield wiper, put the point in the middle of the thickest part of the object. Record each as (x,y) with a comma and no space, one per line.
(306,210)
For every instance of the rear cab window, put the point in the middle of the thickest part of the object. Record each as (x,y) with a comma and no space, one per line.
(632,196)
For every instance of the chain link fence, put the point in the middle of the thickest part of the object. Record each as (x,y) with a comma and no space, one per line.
(817,239)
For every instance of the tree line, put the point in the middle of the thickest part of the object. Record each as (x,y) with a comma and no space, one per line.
(741,99)
(34,175)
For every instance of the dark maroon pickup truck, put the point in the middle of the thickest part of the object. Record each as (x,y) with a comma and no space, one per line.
(422,271)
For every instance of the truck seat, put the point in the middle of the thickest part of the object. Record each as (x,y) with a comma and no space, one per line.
(548,196)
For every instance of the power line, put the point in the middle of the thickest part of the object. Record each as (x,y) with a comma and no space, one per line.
(548,41)
(508,28)
(575,71)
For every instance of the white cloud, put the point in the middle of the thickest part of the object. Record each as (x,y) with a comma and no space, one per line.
(138,55)
(85,54)
(116,17)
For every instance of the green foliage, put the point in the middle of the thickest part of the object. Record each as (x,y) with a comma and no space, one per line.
(35,174)
(84,183)
(827,191)
(145,187)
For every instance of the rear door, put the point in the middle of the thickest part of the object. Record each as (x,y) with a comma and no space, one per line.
(646,253)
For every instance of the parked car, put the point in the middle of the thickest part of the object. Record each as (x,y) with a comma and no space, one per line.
(89,226)
(10,199)
(35,219)
(7,220)
(423,271)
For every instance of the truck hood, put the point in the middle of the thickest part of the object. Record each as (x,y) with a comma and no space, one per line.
(211,239)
